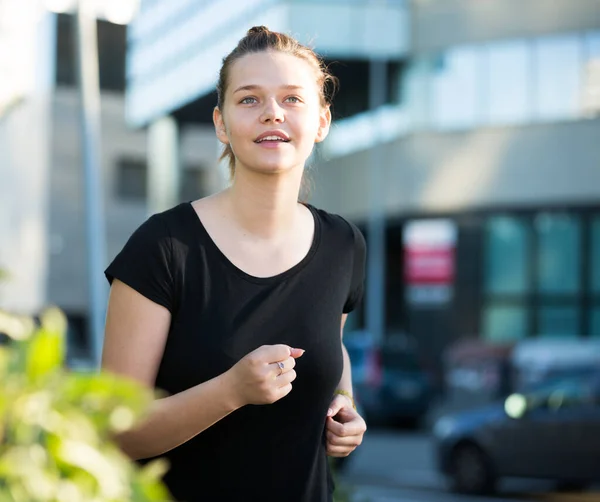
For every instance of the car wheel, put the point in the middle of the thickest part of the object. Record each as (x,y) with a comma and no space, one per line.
(471,471)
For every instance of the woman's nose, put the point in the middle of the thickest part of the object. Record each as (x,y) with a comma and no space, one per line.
(272,112)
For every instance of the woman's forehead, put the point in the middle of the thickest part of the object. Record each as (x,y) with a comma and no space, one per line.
(271,69)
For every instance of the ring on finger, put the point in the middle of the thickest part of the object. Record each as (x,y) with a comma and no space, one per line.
(281,367)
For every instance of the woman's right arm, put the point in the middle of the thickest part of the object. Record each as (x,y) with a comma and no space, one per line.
(135,338)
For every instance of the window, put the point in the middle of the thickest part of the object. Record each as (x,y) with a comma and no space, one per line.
(509,82)
(506,266)
(504,323)
(558,63)
(131,181)
(594,271)
(558,274)
(457,88)
(590,99)
(506,278)
(559,262)
(595,256)
(558,321)
(193,184)
(538,278)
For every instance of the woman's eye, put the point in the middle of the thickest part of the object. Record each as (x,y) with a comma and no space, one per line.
(248,101)
(293,99)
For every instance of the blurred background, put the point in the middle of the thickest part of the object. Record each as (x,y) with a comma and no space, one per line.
(466,147)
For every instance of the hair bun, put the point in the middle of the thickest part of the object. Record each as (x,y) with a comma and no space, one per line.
(258,30)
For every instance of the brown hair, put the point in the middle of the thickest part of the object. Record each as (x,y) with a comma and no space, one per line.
(261,39)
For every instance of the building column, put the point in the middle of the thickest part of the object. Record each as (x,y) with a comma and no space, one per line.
(163,164)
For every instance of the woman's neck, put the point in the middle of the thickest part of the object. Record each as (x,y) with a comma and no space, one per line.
(265,205)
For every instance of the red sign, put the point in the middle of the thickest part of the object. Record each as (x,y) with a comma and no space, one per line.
(429,266)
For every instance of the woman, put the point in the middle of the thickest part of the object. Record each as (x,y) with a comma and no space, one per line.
(234,304)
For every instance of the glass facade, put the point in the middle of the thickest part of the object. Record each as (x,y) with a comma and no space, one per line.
(541,275)
(506,264)
(504,323)
(559,238)
(505,82)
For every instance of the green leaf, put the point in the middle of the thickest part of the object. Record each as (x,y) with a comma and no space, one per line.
(111,480)
(56,426)
(44,354)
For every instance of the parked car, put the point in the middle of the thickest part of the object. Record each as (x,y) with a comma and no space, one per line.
(389,380)
(550,431)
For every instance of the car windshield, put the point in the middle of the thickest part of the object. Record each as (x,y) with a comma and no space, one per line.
(581,385)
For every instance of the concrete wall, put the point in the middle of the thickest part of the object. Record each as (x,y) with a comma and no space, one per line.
(555,163)
(442,23)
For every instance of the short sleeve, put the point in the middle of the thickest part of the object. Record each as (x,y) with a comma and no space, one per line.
(145,263)
(358,271)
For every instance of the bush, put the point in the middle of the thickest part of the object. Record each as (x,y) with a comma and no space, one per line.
(56,426)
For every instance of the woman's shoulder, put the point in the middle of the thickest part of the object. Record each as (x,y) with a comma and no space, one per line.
(336,223)
(167,232)
(172,222)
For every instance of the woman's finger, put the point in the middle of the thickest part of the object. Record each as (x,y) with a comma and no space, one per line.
(281,367)
(343,441)
(338,451)
(286,378)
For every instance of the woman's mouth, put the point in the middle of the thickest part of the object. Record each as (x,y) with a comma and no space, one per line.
(272,138)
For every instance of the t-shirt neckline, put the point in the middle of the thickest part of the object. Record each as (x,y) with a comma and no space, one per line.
(252,278)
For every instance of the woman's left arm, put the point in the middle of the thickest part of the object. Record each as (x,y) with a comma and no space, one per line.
(345,427)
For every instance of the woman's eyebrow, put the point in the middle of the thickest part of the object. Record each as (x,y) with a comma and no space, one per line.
(254,87)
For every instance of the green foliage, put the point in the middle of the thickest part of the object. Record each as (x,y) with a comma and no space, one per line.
(56,426)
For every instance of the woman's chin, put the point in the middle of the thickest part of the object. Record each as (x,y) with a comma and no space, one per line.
(271,167)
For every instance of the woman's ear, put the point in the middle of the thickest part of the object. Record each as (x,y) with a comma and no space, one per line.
(324,123)
(220,126)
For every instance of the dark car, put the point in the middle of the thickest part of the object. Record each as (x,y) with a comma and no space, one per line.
(389,380)
(551,431)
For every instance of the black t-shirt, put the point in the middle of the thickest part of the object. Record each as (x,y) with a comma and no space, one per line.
(219,313)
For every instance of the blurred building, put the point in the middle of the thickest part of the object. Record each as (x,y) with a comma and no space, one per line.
(487,146)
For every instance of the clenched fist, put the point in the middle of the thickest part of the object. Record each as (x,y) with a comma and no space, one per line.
(265,375)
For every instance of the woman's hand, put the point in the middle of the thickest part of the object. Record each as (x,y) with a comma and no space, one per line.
(265,375)
(345,427)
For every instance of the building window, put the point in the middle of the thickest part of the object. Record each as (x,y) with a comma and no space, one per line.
(506,264)
(509,82)
(594,271)
(131,181)
(506,278)
(559,321)
(558,67)
(559,263)
(457,88)
(504,323)
(535,269)
(193,184)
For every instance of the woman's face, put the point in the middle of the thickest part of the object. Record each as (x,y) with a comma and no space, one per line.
(272,114)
